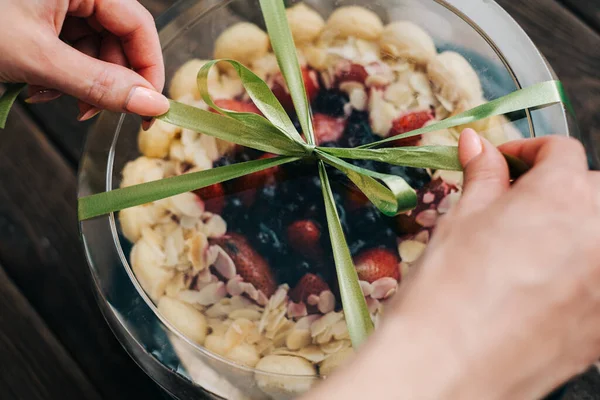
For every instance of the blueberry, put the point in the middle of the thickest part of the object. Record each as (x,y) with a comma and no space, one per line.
(415,177)
(292,272)
(223,162)
(268,193)
(356,246)
(358,131)
(268,242)
(236,215)
(247,154)
(331,102)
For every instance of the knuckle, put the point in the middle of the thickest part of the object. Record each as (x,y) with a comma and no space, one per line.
(565,144)
(573,145)
(100,87)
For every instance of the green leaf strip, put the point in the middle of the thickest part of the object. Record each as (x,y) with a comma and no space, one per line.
(392,198)
(285,50)
(434,157)
(7,100)
(261,95)
(357,315)
(258,133)
(131,196)
(541,95)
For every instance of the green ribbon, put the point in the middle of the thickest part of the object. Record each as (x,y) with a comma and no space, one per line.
(274,132)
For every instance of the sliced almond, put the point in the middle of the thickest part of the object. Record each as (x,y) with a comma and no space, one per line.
(298,338)
(411,250)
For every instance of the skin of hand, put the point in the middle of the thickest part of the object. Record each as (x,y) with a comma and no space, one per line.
(106,53)
(505,302)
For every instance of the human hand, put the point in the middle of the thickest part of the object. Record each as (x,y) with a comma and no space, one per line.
(505,301)
(114,60)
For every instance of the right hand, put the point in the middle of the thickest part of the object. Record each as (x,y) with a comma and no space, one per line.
(505,303)
(114,60)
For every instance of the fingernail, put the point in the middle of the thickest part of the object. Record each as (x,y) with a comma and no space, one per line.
(470,146)
(89,114)
(43,96)
(146,102)
(147,123)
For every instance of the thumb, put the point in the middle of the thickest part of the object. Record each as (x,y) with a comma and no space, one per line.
(485,169)
(99,83)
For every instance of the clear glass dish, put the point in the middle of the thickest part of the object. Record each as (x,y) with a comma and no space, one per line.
(500,52)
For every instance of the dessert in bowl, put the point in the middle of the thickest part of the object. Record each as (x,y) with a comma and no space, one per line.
(242,267)
(241,273)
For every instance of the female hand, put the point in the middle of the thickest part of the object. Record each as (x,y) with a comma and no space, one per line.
(505,303)
(113,58)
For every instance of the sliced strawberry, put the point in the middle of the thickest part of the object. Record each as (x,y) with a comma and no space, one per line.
(280,90)
(213,197)
(308,285)
(374,264)
(408,123)
(346,71)
(247,185)
(249,264)
(328,129)
(237,105)
(304,236)
(425,214)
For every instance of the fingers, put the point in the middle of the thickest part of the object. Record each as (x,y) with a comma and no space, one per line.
(486,172)
(110,50)
(41,94)
(553,151)
(134,26)
(99,83)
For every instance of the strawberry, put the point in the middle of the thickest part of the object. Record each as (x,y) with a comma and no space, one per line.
(280,90)
(304,236)
(247,185)
(349,72)
(374,264)
(249,264)
(423,216)
(236,105)
(355,198)
(308,285)
(213,197)
(328,129)
(407,123)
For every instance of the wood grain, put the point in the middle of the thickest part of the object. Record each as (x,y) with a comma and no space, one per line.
(33,364)
(572,48)
(587,10)
(40,250)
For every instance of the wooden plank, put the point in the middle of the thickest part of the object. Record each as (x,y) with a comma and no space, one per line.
(58,119)
(33,364)
(587,10)
(41,252)
(572,49)
(585,387)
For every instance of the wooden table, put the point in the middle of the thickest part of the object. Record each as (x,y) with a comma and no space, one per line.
(54,343)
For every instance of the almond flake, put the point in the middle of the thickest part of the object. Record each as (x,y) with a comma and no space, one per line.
(298,338)
(411,250)
(427,218)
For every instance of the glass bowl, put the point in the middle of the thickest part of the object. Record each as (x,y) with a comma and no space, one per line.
(502,55)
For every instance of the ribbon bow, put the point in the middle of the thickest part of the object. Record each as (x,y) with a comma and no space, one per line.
(274,132)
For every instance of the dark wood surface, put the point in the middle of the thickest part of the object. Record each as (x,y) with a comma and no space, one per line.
(54,343)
